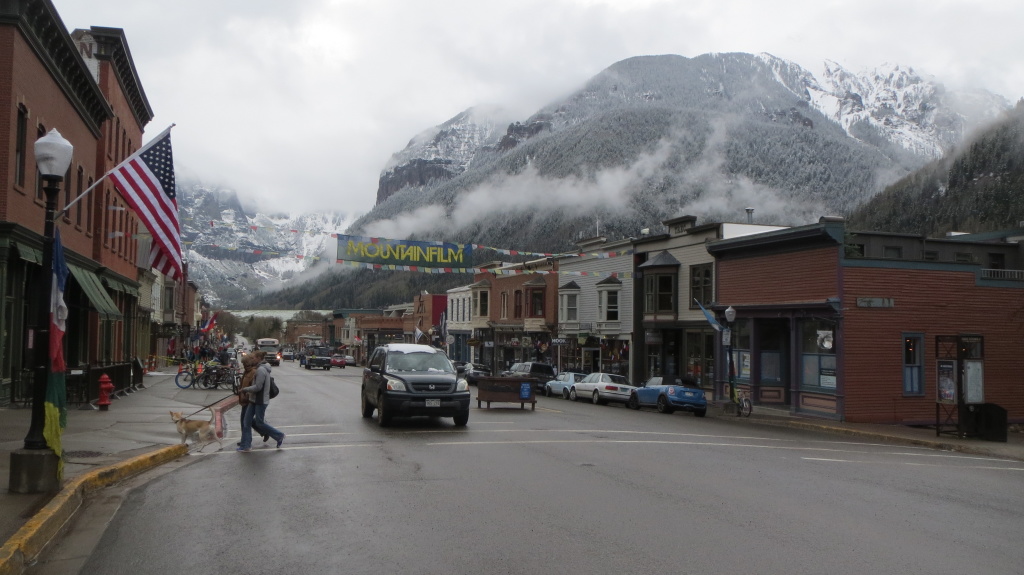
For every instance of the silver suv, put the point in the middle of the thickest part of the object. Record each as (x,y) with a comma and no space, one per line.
(407,379)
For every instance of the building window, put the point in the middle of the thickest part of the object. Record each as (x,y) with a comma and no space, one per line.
(537,303)
(997,261)
(701,282)
(659,293)
(20,146)
(608,305)
(854,250)
(963,258)
(930,256)
(913,364)
(78,194)
(567,311)
(480,304)
(818,355)
(169,298)
(892,252)
(40,132)
(504,305)
(518,304)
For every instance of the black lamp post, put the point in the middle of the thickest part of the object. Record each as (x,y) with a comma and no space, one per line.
(730,316)
(34,468)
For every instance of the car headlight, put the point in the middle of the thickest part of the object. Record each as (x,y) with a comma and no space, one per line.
(396,385)
(462,385)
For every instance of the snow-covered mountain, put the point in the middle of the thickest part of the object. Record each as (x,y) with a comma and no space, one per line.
(890,106)
(232,255)
(648,138)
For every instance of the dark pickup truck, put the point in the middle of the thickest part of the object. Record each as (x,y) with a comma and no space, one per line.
(318,357)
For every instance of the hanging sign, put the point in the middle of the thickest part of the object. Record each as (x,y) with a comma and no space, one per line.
(404,252)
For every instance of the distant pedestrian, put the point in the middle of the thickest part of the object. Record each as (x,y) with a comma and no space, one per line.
(254,414)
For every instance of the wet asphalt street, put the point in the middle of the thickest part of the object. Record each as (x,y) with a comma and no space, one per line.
(571,488)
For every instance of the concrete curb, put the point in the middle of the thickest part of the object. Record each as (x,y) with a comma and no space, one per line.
(884,438)
(26,544)
(23,547)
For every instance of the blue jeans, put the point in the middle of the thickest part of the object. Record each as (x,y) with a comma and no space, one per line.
(253,417)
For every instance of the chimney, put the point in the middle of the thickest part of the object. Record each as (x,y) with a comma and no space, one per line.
(750,215)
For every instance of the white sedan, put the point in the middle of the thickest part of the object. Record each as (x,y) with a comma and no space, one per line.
(602,388)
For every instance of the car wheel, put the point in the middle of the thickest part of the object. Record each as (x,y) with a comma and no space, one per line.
(307,366)
(461,419)
(565,393)
(328,368)
(701,412)
(367,407)
(634,402)
(383,414)
(663,405)
(596,398)
(572,395)
(547,391)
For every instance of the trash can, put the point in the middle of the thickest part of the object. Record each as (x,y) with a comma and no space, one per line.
(991,422)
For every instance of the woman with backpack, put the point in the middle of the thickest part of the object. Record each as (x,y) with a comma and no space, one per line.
(254,413)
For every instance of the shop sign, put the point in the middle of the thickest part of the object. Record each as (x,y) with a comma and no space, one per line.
(514,342)
(559,341)
(473,342)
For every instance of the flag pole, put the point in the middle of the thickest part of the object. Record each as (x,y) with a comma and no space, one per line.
(148,145)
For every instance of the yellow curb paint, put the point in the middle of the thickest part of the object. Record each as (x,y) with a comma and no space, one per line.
(26,544)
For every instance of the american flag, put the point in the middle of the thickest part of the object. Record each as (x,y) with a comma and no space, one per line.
(146,181)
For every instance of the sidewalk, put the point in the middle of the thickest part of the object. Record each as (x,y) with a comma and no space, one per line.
(102,448)
(136,434)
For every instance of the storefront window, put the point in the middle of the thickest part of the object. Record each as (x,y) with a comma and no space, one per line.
(818,359)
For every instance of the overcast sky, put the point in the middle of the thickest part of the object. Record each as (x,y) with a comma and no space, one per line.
(300,103)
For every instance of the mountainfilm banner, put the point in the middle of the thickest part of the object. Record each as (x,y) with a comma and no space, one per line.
(404,252)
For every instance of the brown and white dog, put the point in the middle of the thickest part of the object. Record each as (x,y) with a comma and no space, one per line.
(201,431)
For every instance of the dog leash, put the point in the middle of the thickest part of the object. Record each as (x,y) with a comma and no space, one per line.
(209,406)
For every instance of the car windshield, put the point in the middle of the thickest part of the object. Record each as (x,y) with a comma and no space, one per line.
(418,361)
(617,379)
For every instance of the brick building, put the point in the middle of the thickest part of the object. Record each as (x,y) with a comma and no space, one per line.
(874,327)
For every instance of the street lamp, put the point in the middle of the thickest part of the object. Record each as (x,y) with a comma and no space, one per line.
(34,468)
(730,316)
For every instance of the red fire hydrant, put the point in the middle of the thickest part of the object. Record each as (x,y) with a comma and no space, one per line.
(106,386)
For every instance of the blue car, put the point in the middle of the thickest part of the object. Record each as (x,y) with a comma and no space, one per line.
(682,393)
(561,384)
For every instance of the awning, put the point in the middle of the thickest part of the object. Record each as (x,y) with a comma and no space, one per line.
(29,253)
(94,290)
(120,286)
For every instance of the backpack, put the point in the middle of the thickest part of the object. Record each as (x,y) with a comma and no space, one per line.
(273,388)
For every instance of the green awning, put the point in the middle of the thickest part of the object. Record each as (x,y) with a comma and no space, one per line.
(120,286)
(97,294)
(29,253)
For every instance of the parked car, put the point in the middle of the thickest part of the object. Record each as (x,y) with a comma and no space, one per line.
(601,388)
(538,373)
(474,371)
(349,360)
(409,379)
(561,384)
(287,355)
(338,361)
(670,395)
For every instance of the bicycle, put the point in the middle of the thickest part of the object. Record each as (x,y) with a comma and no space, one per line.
(193,377)
(744,407)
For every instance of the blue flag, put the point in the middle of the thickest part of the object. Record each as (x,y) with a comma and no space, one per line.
(711,319)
